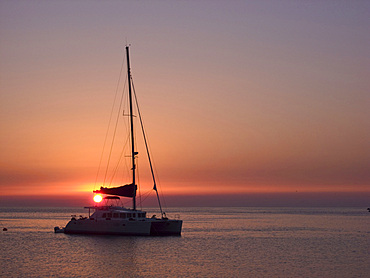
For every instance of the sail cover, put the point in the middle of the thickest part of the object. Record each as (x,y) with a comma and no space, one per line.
(128,190)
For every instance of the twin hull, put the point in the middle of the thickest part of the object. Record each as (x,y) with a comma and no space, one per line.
(145,227)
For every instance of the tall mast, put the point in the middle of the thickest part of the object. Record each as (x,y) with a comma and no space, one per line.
(133,153)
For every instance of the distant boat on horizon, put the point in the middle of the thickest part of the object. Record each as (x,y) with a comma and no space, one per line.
(113,219)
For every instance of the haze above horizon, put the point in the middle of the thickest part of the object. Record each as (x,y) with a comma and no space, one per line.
(238,97)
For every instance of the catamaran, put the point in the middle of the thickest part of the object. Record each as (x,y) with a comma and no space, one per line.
(110,218)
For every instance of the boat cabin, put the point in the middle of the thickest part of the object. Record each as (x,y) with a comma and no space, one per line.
(115,213)
(123,215)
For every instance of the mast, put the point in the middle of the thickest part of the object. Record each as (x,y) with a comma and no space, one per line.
(133,153)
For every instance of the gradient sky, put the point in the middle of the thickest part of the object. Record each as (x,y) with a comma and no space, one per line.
(238,97)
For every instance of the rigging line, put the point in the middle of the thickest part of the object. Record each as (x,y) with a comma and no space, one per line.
(123,150)
(114,134)
(158,182)
(146,147)
(145,196)
(142,128)
(109,122)
(114,172)
(119,161)
(160,189)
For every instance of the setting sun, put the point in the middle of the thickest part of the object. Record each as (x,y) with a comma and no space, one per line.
(98,198)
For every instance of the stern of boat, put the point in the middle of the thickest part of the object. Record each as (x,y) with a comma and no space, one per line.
(166,227)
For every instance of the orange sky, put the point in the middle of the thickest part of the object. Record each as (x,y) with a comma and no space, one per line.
(237,97)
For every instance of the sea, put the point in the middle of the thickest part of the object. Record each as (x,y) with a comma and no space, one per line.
(215,242)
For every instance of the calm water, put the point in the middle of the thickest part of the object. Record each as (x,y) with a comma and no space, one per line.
(216,242)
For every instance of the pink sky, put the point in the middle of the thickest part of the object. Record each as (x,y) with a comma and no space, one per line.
(238,97)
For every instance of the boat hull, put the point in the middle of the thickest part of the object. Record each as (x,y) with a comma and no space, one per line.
(150,227)
(108,227)
(166,227)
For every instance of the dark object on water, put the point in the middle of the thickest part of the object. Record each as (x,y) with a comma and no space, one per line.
(368,209)
(58,230)
(5,229)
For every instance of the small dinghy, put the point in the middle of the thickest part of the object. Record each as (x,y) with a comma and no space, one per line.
(58,230)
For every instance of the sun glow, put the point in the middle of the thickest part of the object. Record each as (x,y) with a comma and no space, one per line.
(98,198)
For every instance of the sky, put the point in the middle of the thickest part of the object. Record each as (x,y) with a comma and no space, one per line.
(244,102)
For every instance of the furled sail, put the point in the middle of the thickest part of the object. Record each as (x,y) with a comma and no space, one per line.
(128,190)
